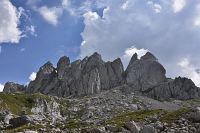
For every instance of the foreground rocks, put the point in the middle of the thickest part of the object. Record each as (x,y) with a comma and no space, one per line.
(108,112)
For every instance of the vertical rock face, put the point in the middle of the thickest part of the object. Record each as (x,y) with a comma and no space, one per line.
(62,65)
(115,72)
(11,87)
(82,77)
(43,78)
(145,73)
(92,75)
(180,88)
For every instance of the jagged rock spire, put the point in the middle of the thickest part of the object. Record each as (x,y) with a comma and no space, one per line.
(144,73)
(148,56)
(62,65)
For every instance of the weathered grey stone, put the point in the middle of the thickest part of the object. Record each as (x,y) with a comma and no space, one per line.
(144,73)
(5,117)
(44,77)
(115,72)
(195,115)
(113,128)
(20,121)
(45,106)
(94,130)
(62,65)
(148,129)
(92,75)
(180,88)
(11,87)
(82,77)
(132,126)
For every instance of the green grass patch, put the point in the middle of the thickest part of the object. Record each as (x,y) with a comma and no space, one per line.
(16,103)
(136,116)
(75,124)
(170,117)
(24,127)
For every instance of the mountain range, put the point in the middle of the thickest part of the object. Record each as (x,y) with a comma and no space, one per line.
(92,75)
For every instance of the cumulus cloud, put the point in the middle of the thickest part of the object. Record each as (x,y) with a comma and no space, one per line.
(197,17)
(170,33)
(155,6)
(1,87)
(128,53)
(190,70)
(9,22)
(51,15)
(32,76)
(178,5)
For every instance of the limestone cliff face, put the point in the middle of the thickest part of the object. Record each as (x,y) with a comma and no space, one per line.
(145,73)
(92,75)
(179,88)
(82,77)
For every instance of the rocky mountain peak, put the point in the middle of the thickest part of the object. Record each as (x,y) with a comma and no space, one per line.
(62,65)
(148,56)
(96,55)
(144,73)
(63,61)
(93,75)
(134,58)
(46,68)
(11,87)
(94,59)
(132,61)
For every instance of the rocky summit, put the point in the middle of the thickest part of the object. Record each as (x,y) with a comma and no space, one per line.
(92,75)
(94,96)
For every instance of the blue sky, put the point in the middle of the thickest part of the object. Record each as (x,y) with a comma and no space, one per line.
(33,32)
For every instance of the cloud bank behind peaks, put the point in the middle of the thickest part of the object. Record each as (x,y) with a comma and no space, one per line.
(170,29)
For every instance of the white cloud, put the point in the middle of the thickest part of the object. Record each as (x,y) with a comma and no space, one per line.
(197,16)
(178,5)
(32,76)
(51,15)
(190,70)
(156,7)
(65,3)
(125,5)
(1,87)
(128,53)
(90,16)
(9,22)
(31,29)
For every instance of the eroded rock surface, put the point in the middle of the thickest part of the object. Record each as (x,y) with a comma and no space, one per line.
(11,87)
(92,75)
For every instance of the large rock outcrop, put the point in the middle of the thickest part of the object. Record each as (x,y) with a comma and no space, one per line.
(145,73)
(179,88)
(11,87)
(43,78)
